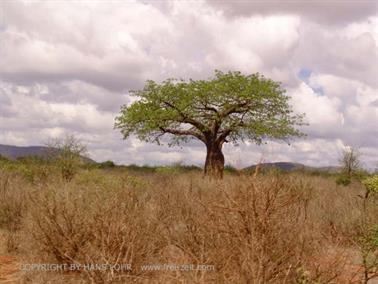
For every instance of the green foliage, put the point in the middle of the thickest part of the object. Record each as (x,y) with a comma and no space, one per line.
(35,169)
(371,183)
(143,169)
(32,160)
(189,168)
(230,169)
(99,179)
(166,170)
(370,239)
(108,181)
(343,179)
(32,169)
(176,168)
(275,171)
(369,248)
(3,159)
(230,105)
(318,173)
(107,165)
(136,182)
(361,174)
(303,277)
(5,163)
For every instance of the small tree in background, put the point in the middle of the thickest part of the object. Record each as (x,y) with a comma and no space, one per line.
(350,165)
(230,107)
(350,161)
(68,153)
(107,165)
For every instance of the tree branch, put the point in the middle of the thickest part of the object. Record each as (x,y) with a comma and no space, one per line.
(223,136)
(226,132)
(207,107)
(234,109)
(187,119)
(183,132)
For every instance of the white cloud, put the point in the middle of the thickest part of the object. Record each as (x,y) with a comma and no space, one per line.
(69,67)
(337,52)
(321,111)
(253,44)
(325,12)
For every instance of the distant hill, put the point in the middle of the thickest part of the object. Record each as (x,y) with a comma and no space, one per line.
(15,152)
(289,166)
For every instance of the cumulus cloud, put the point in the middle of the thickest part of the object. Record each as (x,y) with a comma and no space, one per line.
(68,67)
(326,12)
(345,52)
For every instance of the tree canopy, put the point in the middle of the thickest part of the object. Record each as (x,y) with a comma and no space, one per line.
(229,107)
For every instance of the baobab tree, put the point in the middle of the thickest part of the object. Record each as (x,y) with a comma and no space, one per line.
(228,108)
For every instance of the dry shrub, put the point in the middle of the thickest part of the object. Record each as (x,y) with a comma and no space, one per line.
(80,225)
(12,206)
(250,230)
(272,228)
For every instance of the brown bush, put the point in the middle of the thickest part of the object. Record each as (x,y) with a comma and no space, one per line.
(263,229)
(12,207)
(77,225)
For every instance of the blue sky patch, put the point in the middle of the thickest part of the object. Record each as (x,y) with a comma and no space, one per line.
(304,74)
(318,90)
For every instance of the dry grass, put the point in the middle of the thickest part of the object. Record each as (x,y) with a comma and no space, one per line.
(263,229)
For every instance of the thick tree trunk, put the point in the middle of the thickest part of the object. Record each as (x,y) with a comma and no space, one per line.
(214,164)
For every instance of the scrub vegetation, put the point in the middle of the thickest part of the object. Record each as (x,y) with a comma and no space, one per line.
(269,227)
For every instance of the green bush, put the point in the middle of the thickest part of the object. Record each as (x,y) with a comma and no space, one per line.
(343,180)
(3,159)
(371,183)
(369,248)
(142,169)
(98,179)
(230,169)
(107,165)
(104,180)
(31,172)
(167,170)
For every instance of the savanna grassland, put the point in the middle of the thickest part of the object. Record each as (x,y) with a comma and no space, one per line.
(265,228)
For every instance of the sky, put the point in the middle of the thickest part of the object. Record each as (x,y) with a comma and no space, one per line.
(66,67)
